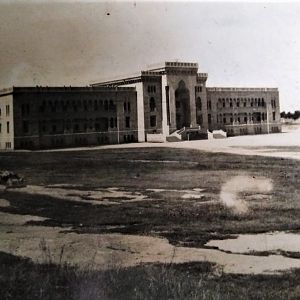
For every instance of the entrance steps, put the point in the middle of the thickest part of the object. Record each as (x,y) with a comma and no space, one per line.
(187,133)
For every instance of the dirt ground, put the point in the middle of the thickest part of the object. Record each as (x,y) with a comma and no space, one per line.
(107,207)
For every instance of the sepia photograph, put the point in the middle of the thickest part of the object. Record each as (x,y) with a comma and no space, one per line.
(149,150)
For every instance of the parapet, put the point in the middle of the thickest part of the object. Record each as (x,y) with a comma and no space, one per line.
(240,89)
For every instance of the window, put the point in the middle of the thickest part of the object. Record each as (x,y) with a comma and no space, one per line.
(245,119)
(274,116)
(25,126)
(111,105)
(152,104)
(200,119)
(209,118)
(224,120)
(127,107)
(8,145)
(7,127)
(152,121)
(53,128)
(95,105)
(199,104)
(7,110)
(198,89)
(0,127)
(76,128)
(151,89)
(0,111)
(209,104)
(85,105)
(106,105)
(127,122)
(111,123)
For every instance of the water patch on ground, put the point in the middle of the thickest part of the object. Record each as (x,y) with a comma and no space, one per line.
(195,193)
(264,242)
(102,251)
(151,161)
(4,203)
(12,219)
(103,196)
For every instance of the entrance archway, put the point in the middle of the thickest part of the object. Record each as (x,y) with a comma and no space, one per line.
(182,102)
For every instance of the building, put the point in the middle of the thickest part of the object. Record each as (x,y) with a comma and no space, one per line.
(170,101)
(51,117)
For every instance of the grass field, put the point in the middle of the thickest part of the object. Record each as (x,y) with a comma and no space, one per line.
(182,220)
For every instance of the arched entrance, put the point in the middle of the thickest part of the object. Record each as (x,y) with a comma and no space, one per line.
(182,102)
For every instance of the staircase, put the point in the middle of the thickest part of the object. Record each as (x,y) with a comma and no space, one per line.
(174,137)
(187,133)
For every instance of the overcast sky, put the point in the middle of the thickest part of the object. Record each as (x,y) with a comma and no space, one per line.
(238,44)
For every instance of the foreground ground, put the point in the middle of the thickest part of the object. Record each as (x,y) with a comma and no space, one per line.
(149,192)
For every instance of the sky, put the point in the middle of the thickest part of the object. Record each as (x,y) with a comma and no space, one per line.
(81,42)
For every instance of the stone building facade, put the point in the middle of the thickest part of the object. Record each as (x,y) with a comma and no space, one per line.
(170,100)
(183,103)
(51,117)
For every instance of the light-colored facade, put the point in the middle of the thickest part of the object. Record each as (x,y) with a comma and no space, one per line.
(171,100)
(182,102)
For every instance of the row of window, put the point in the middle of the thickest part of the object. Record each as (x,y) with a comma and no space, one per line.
(74,105)
(198,89)
(151,89)
(100,125)
(273,103)
(7,110)
(237,102)
(234,118)
(244,131)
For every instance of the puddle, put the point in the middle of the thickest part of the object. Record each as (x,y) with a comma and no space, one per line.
(247,243)
(105,196)
(192,163)
(12,219)
(195,193)
(4,203)
(230,194)
(102,251)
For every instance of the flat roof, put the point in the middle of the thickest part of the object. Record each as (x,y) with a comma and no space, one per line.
(61,89)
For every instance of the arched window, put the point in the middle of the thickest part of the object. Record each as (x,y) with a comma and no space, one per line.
(199,104)
(152,104)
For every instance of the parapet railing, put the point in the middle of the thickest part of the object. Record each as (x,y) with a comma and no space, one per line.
(246,89)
